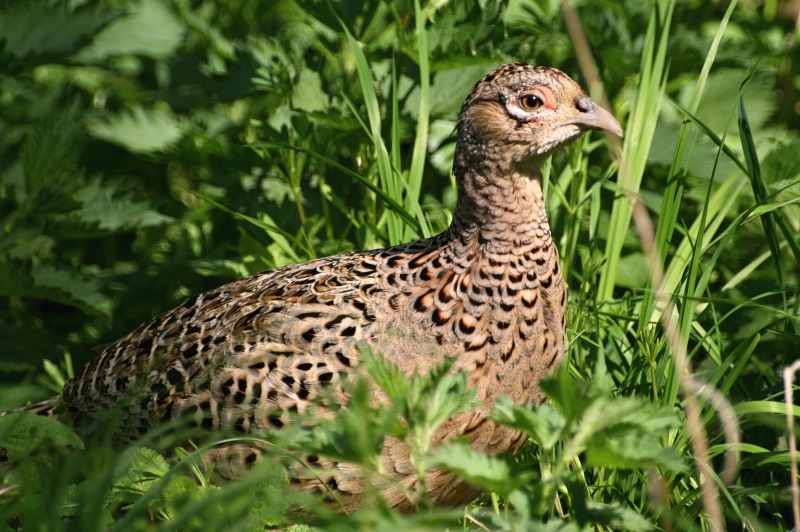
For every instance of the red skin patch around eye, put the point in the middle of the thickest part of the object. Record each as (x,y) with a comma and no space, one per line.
(546,94)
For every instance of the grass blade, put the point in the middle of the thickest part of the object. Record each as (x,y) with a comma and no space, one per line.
(759,189)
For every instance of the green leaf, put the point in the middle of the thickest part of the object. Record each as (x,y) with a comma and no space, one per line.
(150,29)
(543,424)
(137,470)
(636,449)
(269,501)
(104,207)
(50,152)
(68,287)
(570,396)
(387,376)
(140,131)
(449,397)
(37,28)
(307,94)
(21,433)
(759,188)
(782,163)
(616,517)
(178,493)
(357,433)
(625,432)
(488,472)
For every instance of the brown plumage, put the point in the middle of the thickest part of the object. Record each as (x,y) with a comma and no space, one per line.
(487,293)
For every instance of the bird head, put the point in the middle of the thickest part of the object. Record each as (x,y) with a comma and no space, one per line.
(519,114)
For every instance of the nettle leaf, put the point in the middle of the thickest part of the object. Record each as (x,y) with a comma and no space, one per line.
(50,152)
(356,434)
(445,90)
(722,92)
(616,517)
(150,29)
(626,432)
(37,28)
(68,287)
(140,131)
(571,397)
(635,449)
(21,433)
(307,94)
(269,502)
(387,376)
(276,189)
(449,397)
(104,207)
(489,472)
(544,424)
(178,493)
(138,469)
(26,243)
(425,401)
(782,163)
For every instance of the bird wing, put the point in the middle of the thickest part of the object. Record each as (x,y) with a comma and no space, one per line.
(243,355)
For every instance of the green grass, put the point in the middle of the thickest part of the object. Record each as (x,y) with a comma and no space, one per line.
(246,137)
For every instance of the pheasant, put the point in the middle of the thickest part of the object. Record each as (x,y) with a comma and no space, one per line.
(487,294)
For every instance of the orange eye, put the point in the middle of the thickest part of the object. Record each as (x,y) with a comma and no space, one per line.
(530,102)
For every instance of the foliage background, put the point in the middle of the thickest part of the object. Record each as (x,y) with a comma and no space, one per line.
(152,150)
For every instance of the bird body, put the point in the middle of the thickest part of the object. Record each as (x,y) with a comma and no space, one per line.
(487,295)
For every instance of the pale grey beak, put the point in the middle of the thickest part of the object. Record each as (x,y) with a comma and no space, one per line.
(592,116)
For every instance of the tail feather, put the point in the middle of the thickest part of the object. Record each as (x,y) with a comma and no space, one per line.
(48,408)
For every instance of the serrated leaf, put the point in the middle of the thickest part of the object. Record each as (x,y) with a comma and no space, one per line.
(616,517)
(356,434)
(635,449)
(722,92)
(150,29)
(544,424)
(25,243)
(448,398)
(276,189)
(488,472)
(387,376)
(624,415)
(20,433)
(307,94)
(140,131)
(570,396)
(782,163)
(102,206)
(68,287)
(269,502)
(50,152)
(136,472)
(178,493)
(445,91)
(39,28)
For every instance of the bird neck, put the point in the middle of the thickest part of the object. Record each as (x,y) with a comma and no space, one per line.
(506,215)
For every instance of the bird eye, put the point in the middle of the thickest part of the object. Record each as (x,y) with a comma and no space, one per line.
(530,102)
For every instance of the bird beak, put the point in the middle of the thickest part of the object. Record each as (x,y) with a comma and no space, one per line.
(592,116)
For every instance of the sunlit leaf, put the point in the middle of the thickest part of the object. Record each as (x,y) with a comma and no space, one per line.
(488,472)
(150,28)
(140,131)
(21,433)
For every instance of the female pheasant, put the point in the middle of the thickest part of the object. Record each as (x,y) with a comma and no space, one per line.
(487,293)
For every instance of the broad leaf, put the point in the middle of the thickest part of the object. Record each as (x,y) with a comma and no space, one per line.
(21,433)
